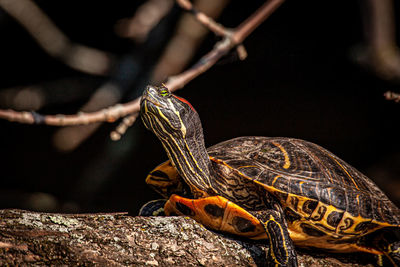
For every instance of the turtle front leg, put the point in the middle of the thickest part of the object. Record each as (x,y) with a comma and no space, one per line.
(388,242)
(220,214)
(392,253)
(281,248)
(153,208)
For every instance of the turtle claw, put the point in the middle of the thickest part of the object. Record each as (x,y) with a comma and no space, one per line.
(153,208)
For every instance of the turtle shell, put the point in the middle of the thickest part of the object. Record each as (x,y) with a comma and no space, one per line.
(319,193)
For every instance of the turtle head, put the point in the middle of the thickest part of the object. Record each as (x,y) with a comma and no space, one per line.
(177,125)
(167,115)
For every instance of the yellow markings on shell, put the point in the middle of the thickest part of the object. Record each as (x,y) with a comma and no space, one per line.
(285,154)
(329,209)
(301,188)
(359,219)
(343,168)
(248,166)
(275,179)
(302,199)
(297,235)
(332,231)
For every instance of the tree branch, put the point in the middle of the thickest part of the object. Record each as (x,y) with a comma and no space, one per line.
(116,239)
(208,22)
(231,39)
(110,114)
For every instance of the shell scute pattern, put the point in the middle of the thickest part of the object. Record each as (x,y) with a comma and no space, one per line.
(250,171)
(300,168)
(334,218)
(324,193)
(338,198)
(312,190)
(353,203)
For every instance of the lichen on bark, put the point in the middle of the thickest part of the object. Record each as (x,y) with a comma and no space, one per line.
(117,239)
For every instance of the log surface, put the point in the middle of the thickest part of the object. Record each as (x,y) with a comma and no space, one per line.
(37,239)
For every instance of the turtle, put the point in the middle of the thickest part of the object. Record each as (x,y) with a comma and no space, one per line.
(286,191)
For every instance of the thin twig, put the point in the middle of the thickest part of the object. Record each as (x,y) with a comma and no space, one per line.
(232,39)
(212,25)
(208,22)
(188,35)
(252,22)
(123,126)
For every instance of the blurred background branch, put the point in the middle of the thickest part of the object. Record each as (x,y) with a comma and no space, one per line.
(380,53)
(389,95)
(112,113)
(54,41)
(146,17)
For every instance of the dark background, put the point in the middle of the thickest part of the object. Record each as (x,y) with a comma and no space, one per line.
(299,80)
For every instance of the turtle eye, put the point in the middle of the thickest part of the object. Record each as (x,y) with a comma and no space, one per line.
(164,92)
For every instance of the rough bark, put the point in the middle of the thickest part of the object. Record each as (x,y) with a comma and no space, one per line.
(34,239)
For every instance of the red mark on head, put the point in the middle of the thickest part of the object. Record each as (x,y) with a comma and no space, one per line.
(184,101)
